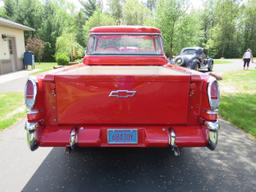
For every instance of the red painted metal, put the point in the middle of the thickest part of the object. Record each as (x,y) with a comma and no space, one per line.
(125,29)
(161,104)
(157,100)
(124,60)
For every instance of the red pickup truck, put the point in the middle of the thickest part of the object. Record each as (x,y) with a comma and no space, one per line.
(124,94)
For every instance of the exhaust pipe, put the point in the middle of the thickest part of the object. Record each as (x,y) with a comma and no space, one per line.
(172,143)
(72,141)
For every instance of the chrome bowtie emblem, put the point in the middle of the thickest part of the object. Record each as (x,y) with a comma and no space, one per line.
(122,93)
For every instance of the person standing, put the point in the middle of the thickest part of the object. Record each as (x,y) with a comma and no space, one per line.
(247,58)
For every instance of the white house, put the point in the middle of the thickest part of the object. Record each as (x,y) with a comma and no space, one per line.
(12,45)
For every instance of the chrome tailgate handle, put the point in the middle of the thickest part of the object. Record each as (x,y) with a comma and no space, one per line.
(122,93)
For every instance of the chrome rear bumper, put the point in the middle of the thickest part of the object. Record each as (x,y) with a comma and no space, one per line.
(213,129)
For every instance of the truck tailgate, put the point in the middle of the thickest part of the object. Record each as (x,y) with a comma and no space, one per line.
(122,95)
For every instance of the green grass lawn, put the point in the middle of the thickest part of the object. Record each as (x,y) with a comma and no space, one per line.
(238,99)
(222,61)
(43,67)
(11,108)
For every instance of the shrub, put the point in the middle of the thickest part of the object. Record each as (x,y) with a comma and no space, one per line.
(36,45)
(68,45)
(62,59)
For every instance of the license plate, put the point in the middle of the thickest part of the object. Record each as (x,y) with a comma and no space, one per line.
(122,136)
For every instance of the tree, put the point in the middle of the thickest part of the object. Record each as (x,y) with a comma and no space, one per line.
(225,27)
(56,18)
(66,44)
(248,30)
(224,31)
(2,12)
(168,14)
(29,12)
(89,6)
(36,45)
(10,7)
(97,19)
(187,32)
(151,4)
(115,8)
(80,36)
(207,18)
(134,12)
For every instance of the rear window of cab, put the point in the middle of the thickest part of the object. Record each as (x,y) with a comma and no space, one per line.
(124,44)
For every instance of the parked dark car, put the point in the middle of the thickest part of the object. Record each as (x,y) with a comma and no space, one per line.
(194,58)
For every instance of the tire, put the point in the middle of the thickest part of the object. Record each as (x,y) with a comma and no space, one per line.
(179,61)
(195,66)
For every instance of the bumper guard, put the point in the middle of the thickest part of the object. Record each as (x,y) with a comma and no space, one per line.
(31,135)
(213,128)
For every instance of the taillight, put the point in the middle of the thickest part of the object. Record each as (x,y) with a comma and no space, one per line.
(214,90)
(213,94)
(30,93)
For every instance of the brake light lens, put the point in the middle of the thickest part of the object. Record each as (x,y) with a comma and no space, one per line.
(213,94)
(214,90)
(30,93)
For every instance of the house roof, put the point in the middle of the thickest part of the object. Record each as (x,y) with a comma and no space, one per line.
(11,24)
(125,29)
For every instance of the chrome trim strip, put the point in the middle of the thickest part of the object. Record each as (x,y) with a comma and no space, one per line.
(212,126)
(32,112)
(31,127)
(212,112)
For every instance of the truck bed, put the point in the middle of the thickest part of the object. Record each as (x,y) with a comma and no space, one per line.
(122,70)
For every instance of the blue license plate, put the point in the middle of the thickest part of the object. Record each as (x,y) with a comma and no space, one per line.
(122,136)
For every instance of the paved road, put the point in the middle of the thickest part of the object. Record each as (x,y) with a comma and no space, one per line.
(235,65)
(232,167)
(17,162)
(14,81)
